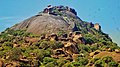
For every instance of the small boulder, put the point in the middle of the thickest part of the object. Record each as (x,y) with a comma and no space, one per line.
(117,50)
(1,63)
(53,37)
(94,53)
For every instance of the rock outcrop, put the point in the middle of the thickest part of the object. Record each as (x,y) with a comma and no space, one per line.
(51,20)
(57,37)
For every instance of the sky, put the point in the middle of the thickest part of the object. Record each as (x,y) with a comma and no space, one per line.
(104,12)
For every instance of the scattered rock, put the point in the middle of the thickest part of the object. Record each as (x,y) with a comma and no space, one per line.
(15,45)
(97,26)
(94,53)
(117,50)
(109,49)
(75,56)
(53,37)
(1,63)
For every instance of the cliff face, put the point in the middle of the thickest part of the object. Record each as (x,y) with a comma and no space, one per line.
(51,20)
(57,37)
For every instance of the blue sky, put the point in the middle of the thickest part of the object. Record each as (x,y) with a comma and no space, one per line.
(105,12)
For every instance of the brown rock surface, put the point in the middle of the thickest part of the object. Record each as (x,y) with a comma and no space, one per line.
(1,63)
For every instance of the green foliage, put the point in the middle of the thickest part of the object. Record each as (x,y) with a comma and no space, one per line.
(82,61)
(14,54)
(39,53)
(7,44)
(90,38)
(93,48)
(48,60)
(61,62)
(103,62)
(60,32)
(55,45)
(50,64)
(112,64)
(76,64)
(44,44)
(107,59)
(118,65)
(50,44)
(94,60)
(99,63)
(83,48)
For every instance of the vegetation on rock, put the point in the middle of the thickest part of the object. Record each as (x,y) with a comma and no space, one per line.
(81,46)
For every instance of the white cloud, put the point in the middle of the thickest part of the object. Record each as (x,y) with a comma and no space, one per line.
(6,18)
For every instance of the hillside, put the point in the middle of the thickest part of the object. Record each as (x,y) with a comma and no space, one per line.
(57,37)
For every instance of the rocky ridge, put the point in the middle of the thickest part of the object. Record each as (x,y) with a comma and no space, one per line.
(57,37)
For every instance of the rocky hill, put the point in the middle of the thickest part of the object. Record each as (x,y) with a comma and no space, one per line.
(51,20)
(57,37)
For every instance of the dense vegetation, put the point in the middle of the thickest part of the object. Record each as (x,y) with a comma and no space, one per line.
(85,46)
(14,48)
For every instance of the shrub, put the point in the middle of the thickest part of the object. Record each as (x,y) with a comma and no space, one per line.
(94,60)
(15,54)
(107,59)
(83,60)
(83,47)
(55,45)
(99,63)
(39,53)
(119,65)
(7,44)
(47,52)
(61,62)
(68,65)
(76,64)
(44,44)
(48,60)
(112,64)
(50,65)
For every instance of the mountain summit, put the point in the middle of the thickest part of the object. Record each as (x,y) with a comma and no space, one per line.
(57,37)
(53,19)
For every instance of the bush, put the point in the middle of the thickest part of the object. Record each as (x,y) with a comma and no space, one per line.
(83,60)
(83,47)
(7,44)
(68,65)
(119,65)
(90,38)
(76,64)
(61,62)
(47,52)
(44,44)
(39,53)
(50,65)
(48,60)
(99,63)
(55,45)
(107,59)
(94,60)
(112,64)
(15,54)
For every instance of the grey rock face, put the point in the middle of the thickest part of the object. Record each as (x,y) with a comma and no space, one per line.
(51,20)
(46,23)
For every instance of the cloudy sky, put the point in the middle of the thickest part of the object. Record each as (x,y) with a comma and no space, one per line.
(105,12)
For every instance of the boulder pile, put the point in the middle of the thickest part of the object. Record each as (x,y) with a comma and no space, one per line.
(69,42)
